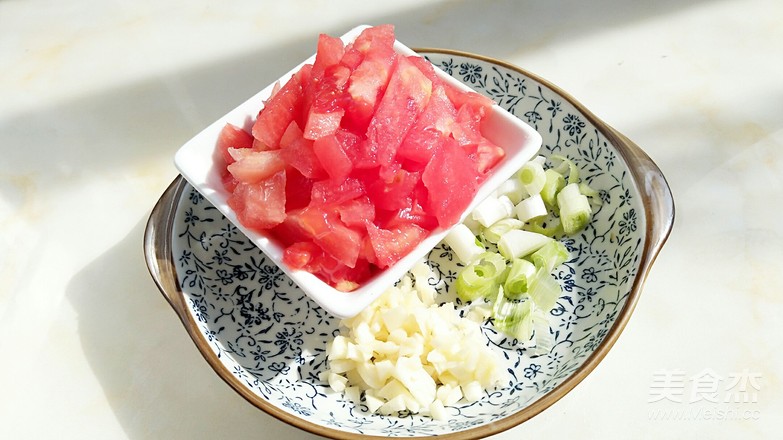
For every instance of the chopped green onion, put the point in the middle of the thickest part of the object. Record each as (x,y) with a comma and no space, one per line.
(550,256)
(554,183)
(481,278)
(551,229)
(474,226)
(513,317)
(541,160)
(492,209)
(544,289)
(533,177)
(574,209)
(517,243)
(590,193)
(513,189)
(530,208)
(462,241)
(493,233)
(517,282)
(545,340)
(573,170)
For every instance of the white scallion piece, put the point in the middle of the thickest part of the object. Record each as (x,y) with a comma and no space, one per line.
(493,233)
(574,207)
(462,241)
(493,209)
(517,243)
(539,159)
(533,177)
(513,189)
(530,208)
(554,183)
(474,226)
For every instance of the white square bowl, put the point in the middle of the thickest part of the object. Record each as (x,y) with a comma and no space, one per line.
(196,159)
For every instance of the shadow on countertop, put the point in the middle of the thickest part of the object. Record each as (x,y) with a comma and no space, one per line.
(152,117)
(152,374)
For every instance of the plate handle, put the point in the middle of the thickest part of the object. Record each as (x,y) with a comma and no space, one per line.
(157,248)
(656,197)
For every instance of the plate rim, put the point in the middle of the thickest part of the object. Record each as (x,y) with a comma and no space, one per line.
(659,211)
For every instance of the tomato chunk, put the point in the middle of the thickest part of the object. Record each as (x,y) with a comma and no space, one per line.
(260,205)
(390,245)
(408,92)
(232,136)
(451,180)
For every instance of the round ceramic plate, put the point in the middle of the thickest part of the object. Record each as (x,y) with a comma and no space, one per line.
(267,340)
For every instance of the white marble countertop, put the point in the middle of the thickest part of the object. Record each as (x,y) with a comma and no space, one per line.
(95,98)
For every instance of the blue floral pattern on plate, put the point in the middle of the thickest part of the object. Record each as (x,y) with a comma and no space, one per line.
(272,338)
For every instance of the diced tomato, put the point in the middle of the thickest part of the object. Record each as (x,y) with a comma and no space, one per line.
(260,205)
(366,86)
(253,166)
(451,180)
(282,108)
(232,136)
(486,154)
(393,194)
(461,97)
(331,234)
(298,152)
(374,37)
(414,211)
(332,157)
(297,190)
(351,57)
(347,279)
(320,124)
(468,127)
(290,230)
(327,108)
(430,130)
(357,212)
(329,53)
(229,182)
(331,192)
(350,144)
(390,245)
(405,98)
(302,255)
